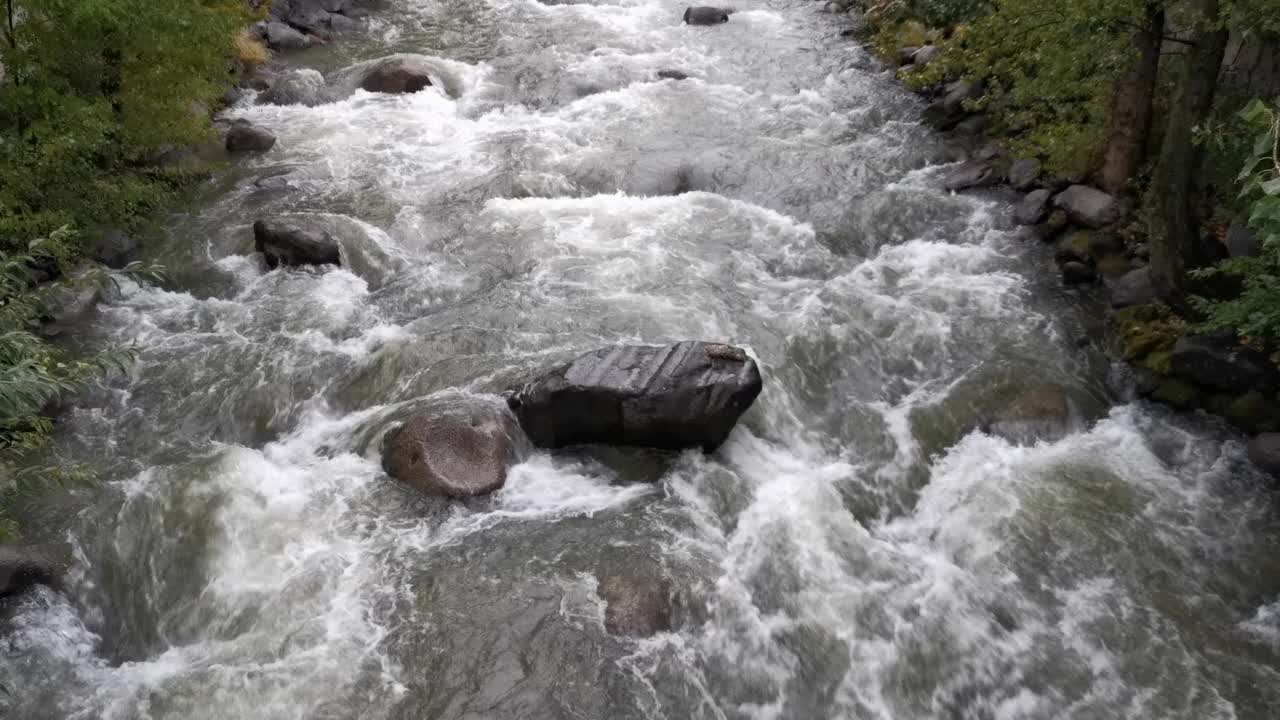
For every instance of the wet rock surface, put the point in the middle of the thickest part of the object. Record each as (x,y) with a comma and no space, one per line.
(636,606)
(282,242)
(689,394)
(456,450)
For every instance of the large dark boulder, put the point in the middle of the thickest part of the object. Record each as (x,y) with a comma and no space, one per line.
(672,75)
(705,16)
(1132,288)
(283,243)
(22,566)
(1264,451)
(635,606)
(458,451)
(403,74)
(1033,209)
(1088,206)
(244,136)
(1218,362)
(689,394)
(1078,273)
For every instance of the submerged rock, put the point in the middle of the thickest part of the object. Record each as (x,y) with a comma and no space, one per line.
(1088,206)
(396,75)
(283,243)
(244,136)
(22,566)
(1041,412)
(705,16)
(672,75)
(297,87)
(1218,362)
(635,606)
(459,451)
(1264,451)
(689,394)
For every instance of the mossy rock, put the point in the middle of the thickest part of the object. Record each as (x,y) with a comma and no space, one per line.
(1114,265)
(1053,226)
(1251,412)
(1148,334)
(889,38)
(1078,243)
(1175,392)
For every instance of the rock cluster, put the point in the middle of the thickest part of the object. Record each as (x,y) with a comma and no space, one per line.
(299,24)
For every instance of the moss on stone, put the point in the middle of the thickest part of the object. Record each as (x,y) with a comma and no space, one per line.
(1247,411)
(889,38)
(1175,392)
(1114,265)
(1148,334)
(1078,243)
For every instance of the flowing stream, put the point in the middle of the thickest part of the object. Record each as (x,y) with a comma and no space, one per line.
(859,548)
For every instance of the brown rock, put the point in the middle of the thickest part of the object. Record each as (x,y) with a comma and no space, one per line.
(454,452)
(636,606)
(397,75)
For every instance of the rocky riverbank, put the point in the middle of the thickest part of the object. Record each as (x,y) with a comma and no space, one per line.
(1100,246)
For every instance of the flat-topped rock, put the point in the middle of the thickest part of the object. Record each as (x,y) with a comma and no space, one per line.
(689,394)
(455,451)
(635,606)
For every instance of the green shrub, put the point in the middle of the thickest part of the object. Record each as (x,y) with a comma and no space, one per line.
(1255,314)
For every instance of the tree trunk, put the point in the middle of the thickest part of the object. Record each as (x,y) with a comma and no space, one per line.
(1129,117)
(1176,244)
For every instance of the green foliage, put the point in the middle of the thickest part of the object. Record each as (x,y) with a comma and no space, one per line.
(934,13)
(1255,315)
(1049,68)
(91,90)
(34,372)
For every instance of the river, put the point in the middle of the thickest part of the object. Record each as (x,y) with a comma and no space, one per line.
(859,548)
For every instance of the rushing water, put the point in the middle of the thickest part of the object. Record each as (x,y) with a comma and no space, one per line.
(858,549)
